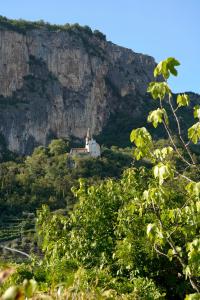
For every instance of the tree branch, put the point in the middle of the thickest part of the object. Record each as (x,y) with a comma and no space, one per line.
(15,250)
(185,145)
(172,141)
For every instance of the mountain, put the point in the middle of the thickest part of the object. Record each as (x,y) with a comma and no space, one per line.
(57,81)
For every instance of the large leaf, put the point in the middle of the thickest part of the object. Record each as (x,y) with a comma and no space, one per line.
(143,141)
(163,153)
(167,67)
(155,117)
(141,137)
(171,64)
(193,189)
(183,100)
(30,287)
(193,249)
(162,171)
(158,90)
(197,112)
(194,133)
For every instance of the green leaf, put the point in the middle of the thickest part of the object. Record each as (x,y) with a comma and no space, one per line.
(166,67)
(138,154)
(171,64)
(162,172)
(173,252)
(166,151)
(161,69)
(193,249)
(158,90)
(183,100)
(143,141)
(156,116)
(170,254)
(30,287)
(187,271)
(194,133)
(151,230)
(141,137)
(163,153)
(197,112)
(195,296)
(193,189)
(154,233)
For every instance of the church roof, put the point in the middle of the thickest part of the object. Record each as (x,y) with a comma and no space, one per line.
(78,150)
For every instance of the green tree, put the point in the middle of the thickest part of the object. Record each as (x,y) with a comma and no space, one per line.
(59,146)
(175,230)
(147,223)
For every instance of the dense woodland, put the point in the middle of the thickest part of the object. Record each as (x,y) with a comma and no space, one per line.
(123,226)
(47,176)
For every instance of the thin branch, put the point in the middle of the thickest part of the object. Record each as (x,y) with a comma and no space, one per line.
(159,252)
(15,250)
(185,177)
(172,141)
(179,131)
(193,284)
(187,144)
(175,110)
(176,227)
(170,242)
(174,145)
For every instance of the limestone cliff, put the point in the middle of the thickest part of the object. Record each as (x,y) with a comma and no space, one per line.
(57,83)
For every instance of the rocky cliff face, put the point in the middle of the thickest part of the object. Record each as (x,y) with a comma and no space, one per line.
(58,83)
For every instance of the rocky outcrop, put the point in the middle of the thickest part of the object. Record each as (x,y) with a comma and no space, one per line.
(58,83)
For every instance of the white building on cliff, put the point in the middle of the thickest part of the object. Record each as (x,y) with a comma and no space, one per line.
(92,148)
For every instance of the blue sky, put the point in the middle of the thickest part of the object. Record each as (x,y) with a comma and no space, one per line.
(159,28)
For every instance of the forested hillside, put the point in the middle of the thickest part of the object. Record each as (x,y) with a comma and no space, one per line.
(47,177)
(122,226)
